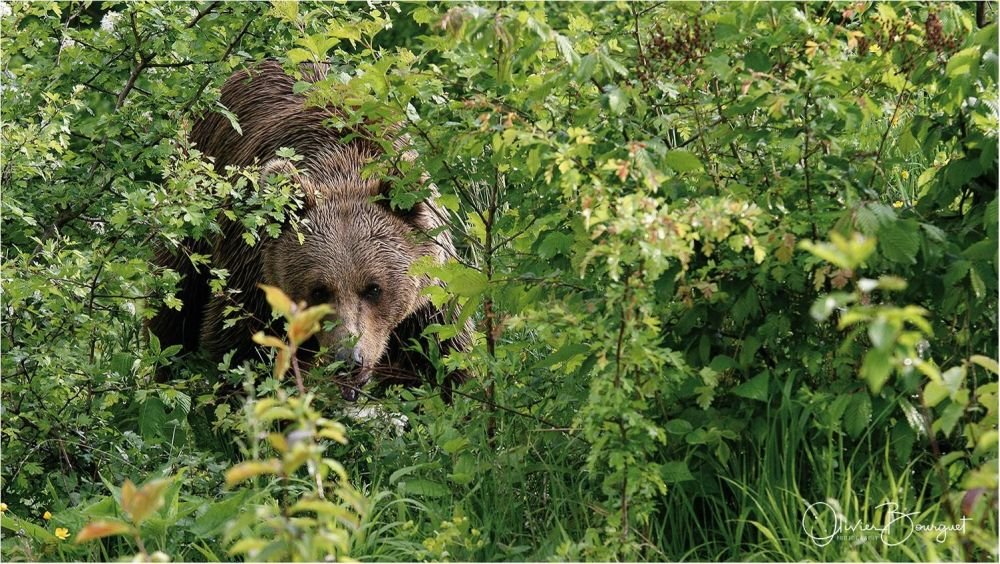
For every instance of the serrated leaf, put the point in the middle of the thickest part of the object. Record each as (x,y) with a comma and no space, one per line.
(233,120)
(866,221)
(454,445)
(913,416)
(899,241)
(612,66)
(977,283)
(466,282)
(554,243)
(287,10)
(566,49)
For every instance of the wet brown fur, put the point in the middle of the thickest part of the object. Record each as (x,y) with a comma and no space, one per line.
(351,240)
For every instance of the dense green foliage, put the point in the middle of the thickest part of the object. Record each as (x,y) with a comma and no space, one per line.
(733,269)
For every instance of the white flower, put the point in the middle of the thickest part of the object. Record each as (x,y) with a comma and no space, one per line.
(5,10)
(67,43)
(110,20)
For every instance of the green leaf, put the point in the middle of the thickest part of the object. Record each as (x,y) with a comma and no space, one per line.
(824,306)
(612,66)
(963,63)
(152,418)
(858,414)
(565,352)
(757,60)
(754,388)
(211,522)
(617,101)
(949,417)
(986,362)
(674,472)
(899,241)
(566,49)
(881,333)
(454,445)
(876,369)
(233,120)
(682,161)
(934,392)
(463,281)
(407,470)
(678,427)
(956,272)
(426,488)
(902,439)
(554,243)
(16,525)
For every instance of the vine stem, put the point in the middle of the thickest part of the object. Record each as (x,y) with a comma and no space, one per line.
(618,384)
(885,134)
(805,165)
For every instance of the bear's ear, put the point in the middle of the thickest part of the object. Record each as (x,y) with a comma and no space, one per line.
(424,215)
(275,168)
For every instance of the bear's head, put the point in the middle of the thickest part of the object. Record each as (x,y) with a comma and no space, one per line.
(354,254)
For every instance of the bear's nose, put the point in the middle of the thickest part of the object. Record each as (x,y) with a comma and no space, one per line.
(350,356)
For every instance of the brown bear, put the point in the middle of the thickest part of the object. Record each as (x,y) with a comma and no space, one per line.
(355,255)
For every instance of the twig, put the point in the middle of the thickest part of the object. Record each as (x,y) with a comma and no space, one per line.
(805,166)
(208,9)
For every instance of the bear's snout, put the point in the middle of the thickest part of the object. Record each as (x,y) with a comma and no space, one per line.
(350,355)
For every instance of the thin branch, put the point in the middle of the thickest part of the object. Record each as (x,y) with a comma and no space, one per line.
(130,84)
(208,9)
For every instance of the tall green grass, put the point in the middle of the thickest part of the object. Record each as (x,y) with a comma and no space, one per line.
(531,500)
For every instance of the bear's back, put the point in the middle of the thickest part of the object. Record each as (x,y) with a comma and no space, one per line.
(271,116)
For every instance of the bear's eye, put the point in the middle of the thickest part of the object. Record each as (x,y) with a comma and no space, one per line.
(371,292)
(319,295)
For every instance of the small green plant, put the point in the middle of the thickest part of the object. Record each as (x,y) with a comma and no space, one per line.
(313,510)
(138,504)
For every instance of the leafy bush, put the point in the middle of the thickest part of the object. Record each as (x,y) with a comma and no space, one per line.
(733,269)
